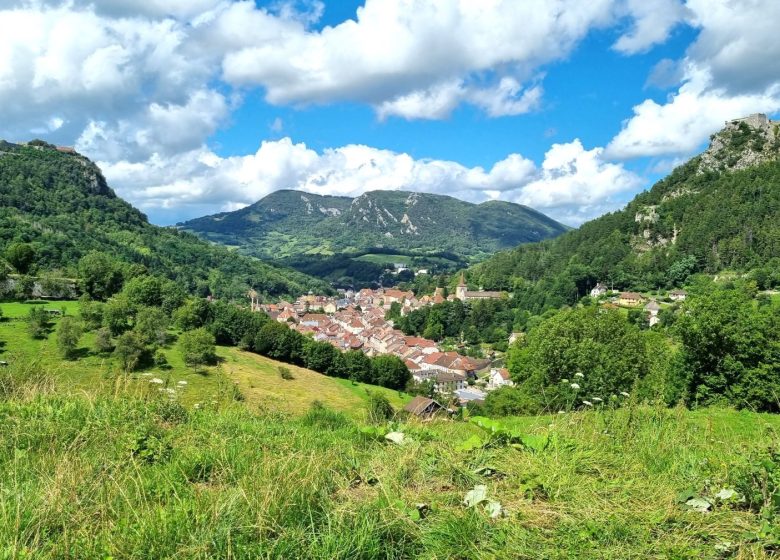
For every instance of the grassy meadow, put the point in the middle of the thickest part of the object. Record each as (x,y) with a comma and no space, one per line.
(240,463)
(251,377)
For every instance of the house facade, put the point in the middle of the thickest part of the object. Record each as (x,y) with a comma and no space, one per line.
(629,299)
(499,377)
(598,290)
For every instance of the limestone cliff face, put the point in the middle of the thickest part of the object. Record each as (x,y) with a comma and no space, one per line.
(742,143)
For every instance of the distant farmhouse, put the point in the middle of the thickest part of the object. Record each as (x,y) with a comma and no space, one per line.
(629,299)
(598,290)
(678,295)
(423,407)
(653,308)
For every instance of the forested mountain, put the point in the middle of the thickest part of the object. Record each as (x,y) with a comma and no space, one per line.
(288,223)
(57,203)
(719,211)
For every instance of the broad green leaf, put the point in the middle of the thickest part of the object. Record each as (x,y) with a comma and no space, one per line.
(396,437)
(487,424)
(685,495)
(726,494)
(535,442)
(474,442)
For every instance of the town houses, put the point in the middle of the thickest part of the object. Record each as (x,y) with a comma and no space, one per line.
(356,321)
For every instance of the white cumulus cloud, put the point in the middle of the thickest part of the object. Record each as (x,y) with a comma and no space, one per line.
(572,184)
(731,70)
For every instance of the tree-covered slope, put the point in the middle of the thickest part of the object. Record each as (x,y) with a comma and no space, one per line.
(288,223)
(59,204)
(719,211)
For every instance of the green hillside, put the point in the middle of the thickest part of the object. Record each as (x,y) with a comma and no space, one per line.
(123,474)
(256,377)
(289,223)
(720,211)
(60,206)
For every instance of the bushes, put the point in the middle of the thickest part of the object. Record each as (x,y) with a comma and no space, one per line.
(130,350)
(575,355)
(379,408)
(198,348)
(38,322)
(389,371)
(68,335)
(730,349)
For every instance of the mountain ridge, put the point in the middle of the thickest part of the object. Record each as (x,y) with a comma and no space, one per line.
(718,211)
(58,202)
(404,220)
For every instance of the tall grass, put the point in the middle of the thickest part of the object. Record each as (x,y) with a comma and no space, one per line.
(136,475)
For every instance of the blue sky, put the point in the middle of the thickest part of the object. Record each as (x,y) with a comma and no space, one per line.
(197,106)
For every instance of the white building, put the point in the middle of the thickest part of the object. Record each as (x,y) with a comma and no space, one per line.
(598,290)
(499,377)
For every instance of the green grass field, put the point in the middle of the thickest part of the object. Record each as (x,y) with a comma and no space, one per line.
(98,464)
(112,475)
(17,310)
(256,377)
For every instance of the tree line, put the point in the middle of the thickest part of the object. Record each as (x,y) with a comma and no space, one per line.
(135,323)
(719,347)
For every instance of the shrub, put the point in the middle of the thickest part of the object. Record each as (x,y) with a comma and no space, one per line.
(285,373)
(103,344)
(91,312)
(379,408)
(171,411)
(129,350)
(198,347)
(68,335)
(160,360)
(38,323)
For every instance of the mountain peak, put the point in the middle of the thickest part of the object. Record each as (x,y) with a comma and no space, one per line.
(742,143)
(295,222)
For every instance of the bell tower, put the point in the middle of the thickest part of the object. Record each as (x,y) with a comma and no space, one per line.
(460,290)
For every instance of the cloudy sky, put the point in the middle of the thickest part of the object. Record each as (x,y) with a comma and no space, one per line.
(197,106)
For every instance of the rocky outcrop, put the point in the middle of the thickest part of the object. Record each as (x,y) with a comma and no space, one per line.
(742,143)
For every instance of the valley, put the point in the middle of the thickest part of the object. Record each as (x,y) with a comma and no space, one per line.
(322,234)
(389,280)
(604,392)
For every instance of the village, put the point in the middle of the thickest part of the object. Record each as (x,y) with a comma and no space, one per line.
(357,321)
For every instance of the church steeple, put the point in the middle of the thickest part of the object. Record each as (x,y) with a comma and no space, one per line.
(460,290)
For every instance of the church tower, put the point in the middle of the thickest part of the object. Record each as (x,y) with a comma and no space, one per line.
(460,290)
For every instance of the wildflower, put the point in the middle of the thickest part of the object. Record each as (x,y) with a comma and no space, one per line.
(197,405)
(181,383)
(624,394)
(156,381)
(579,374)
(561,412)
(170,391)
(587,403)
(147,374)
(597,399)
(574,386)
(564,380)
